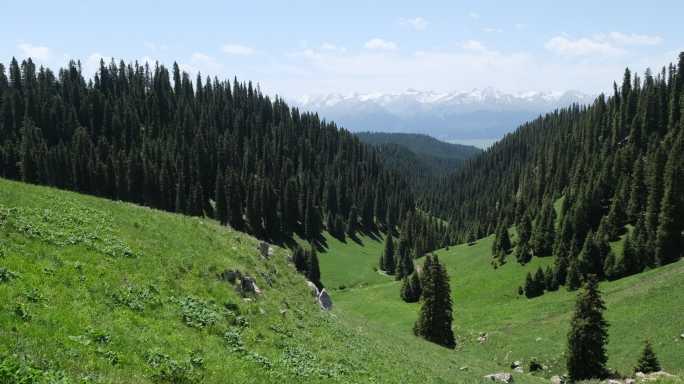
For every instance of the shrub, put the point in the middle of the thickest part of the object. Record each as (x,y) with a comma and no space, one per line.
(168,370)
(136,298)
(6,275)
(198,313)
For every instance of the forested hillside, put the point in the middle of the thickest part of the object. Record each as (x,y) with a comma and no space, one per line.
(151,136)
(619,166)
(421,159)
(421,145)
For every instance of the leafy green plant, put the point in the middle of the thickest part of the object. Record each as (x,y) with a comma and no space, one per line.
(22,311)
(136,298)
(33,295)
(198,313)
(6,275)
(14,370)
(168,370)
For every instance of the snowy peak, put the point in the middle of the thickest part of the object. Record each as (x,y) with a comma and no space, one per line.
(486,97)
(483,115)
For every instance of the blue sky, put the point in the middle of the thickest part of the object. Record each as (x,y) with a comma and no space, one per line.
(305,47)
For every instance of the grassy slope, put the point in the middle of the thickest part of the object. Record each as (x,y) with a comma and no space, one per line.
(73,255)
(67,286)
(485,300)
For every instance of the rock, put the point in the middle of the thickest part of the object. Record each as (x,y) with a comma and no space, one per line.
(612,381)
(324,300)
(264,249)
(538,339)
(248,285)
(482,338)
(501,377)
(313,288)
(516,364)
(463,368)
(630,381)
(557,380)
(681,336)
(654,376)
(230,276)
(519,370)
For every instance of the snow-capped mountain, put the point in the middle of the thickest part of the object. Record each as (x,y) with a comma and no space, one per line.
(480,116)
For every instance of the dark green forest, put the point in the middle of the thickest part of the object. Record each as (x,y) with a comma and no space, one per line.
(421,159)
(151,136)
(618,166)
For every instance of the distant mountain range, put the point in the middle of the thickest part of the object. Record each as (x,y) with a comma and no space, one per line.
(478,117)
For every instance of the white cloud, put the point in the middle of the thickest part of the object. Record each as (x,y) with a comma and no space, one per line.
(476,46)
(417,23)
(581,47)
(631,39)
(474,15)
(202,63)
(520,26)
(492,30)
(237,49)
(380,44)
(36,52)
(612,43)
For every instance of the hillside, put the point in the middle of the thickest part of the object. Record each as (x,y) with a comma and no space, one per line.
(421,159)
(109,292)
(618,163)
(517,328)
(112,292)
(421,144)
(154,137)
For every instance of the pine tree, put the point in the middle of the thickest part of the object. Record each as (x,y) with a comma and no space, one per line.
(637,199)
(550,282)
(352,221)
(668,241)
(434,321)
(313,272)
(522,253)
(544,232)
(411,288)
(299,259)
(590,261)
(220,200)
(588,335)
(530,287)
(404,263)
(574,276)
(502,244)
(387,260)
(648,362)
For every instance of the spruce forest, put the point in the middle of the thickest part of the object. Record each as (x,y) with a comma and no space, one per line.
(158,225)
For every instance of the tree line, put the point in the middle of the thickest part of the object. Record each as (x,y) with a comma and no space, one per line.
(152,136)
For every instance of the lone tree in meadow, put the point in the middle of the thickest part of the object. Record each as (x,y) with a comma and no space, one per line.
(434,321)
(648,362)
(588,335)
(411,288)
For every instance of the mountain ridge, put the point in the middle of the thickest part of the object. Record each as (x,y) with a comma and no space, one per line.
(480,114)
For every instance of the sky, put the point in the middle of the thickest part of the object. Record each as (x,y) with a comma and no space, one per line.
(313,47)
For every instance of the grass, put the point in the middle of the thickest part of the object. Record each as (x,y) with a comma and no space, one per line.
(486,301)
(351,263)
(106,292)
